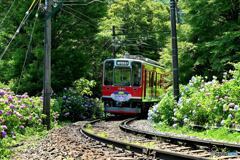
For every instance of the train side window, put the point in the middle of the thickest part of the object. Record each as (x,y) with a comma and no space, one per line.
(108,75)
(147,78)
(151,79)
(156,80)
(159,80)
(136,73)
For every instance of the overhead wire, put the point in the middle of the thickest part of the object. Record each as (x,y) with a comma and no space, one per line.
(29,45)
(27,14)
(79,18)
(7,13)
(75,3)
(81,14)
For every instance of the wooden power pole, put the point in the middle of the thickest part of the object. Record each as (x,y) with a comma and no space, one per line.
(114,38)
(174,50)
(47,90)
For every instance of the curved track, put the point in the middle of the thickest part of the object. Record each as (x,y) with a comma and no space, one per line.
(163,148)
(190,141)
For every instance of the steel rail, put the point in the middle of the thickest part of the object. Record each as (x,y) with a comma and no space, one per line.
(191,141)
(166,155)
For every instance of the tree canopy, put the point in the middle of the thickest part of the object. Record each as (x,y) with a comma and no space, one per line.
(208,38)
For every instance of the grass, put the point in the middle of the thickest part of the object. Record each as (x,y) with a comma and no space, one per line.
(102,134)
(221,134)
(89,128)
(145,144)
(10,146)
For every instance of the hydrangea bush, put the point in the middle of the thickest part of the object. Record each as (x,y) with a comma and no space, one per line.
(18,112)
(77,107)
(203,103)
(77,103)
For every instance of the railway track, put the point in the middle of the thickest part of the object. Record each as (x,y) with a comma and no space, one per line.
(144,145)
(66,143)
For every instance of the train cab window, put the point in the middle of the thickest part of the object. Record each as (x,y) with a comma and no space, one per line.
(136,73)
(108,75)
(122,76)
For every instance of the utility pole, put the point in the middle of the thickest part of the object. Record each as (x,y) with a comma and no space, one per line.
(113,38)
(47,90)
(174,50)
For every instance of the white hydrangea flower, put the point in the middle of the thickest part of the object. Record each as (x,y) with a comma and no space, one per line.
(175,110)
(236,107)
(174,119)
(222,122)
(185,120)
(175,125)
(194,112)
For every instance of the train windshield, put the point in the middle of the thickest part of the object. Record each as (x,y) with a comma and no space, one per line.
(129,75)
(122,76)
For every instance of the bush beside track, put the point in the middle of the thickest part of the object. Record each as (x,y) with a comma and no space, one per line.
(19,115)
(209,104)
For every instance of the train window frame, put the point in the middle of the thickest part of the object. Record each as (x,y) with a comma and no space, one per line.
(110,78)
(139,74)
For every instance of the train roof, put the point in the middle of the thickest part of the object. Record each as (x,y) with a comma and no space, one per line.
(138,59)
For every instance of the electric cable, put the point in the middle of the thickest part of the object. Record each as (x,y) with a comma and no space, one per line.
(75,3)
(27,14)
(78,17)
(29,45)
(81,14)
(7,13)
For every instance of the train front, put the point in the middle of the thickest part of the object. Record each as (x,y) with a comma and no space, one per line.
(121,88)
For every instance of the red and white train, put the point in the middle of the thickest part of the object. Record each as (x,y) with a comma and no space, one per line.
(131,85)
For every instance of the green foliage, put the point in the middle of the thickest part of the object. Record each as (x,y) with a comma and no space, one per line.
(75,51)
(143,25)
(208,40)
(83,86)
(203,103)
(214,31)
(81,39)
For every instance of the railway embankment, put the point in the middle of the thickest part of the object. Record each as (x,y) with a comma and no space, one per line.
(68,143)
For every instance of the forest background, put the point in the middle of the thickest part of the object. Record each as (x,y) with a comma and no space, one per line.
(208,39)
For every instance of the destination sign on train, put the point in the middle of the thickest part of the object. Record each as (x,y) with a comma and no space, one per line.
(122,63)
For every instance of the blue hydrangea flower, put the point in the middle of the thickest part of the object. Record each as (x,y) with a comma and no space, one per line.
(12,106)
(4,134)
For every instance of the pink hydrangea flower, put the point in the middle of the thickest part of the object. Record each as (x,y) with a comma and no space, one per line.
(4,127)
